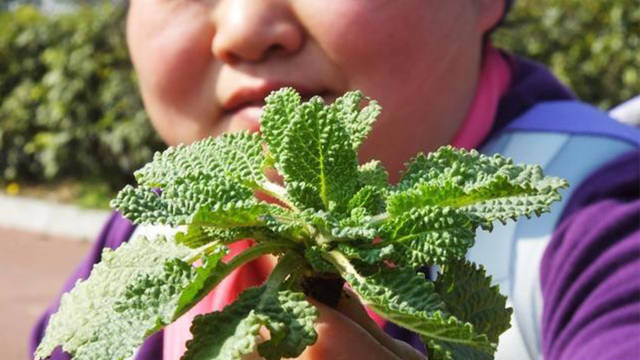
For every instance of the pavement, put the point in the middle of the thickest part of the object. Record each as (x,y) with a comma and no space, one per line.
(40,245)
(50,218)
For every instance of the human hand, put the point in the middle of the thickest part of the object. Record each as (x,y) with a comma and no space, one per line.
(347,332)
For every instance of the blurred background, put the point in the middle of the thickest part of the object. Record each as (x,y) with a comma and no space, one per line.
(73,128)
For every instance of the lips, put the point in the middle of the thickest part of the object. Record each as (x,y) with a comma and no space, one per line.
(243,106)
(254,96)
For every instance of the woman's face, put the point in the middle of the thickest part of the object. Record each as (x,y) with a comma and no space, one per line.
(204,66)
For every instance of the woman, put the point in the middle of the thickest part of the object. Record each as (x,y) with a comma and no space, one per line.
(204,67)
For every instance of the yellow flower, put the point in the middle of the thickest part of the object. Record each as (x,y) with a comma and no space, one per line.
(12,188)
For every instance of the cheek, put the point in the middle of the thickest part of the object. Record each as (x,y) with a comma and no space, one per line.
(173,59)
(388,48)
(170,49)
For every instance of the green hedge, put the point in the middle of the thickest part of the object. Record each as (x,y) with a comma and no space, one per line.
(591,45)
(69,106)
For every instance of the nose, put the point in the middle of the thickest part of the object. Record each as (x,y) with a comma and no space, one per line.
(253,30)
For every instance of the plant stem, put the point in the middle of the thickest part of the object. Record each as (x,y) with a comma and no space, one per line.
(288,264)
(277,192)
(223,270)
(254,252)
(337,259)
(379,218)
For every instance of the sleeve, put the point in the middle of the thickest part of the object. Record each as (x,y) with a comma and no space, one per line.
(590,272)
(116,231)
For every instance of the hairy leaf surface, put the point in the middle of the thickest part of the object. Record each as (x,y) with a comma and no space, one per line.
(317,152)
(354,227)
(370,255)
(430,235)
(246,213)
(374,174)
(470,297)
(212,171)
(280,108)
(133,292)
(237,157)
(233,332)
(406,298)
(492,188)
(468,294)
(370,198)
(358,120)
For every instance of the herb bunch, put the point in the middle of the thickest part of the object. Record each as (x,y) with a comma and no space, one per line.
(332,219)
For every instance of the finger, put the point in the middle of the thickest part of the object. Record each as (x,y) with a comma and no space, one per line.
(351,307)
(341,338)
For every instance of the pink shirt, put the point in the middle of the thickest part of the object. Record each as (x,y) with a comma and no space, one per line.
(494,81)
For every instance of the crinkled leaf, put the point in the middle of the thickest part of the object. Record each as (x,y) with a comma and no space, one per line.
(470,297)
(468,294)
(226,223)
(143,205)
(304,195)
(317,152)
(358,120)
(315,257)
(369,197)
(490,187)
(369,255)
(246,213)
(208,172)
(356,226)
(279,110)
(134,291)
(374,174)
(431,235)
(287,224)
(197,236)
(178,203)
(511,207)
(233,332)
(409,300)
(237,157)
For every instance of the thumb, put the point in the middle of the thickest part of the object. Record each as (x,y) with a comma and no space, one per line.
(350,306)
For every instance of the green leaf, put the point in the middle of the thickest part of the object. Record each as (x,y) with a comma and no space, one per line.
(431,235)
(278,112)
(133,292)
(369,255)
(304,195)
(511,207)
(233,332)
(445,350)
(246,213)
(354,227)
(237,157)
(491,188)
(374,174)
(143,205)
(226,223)
(317,152)
(314,256)
(212,171)
(358,121)
(370,198)
(409,300)
(469,296)
(178,203)
(197,236)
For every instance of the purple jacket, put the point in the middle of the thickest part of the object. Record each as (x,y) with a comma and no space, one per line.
(590,285)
